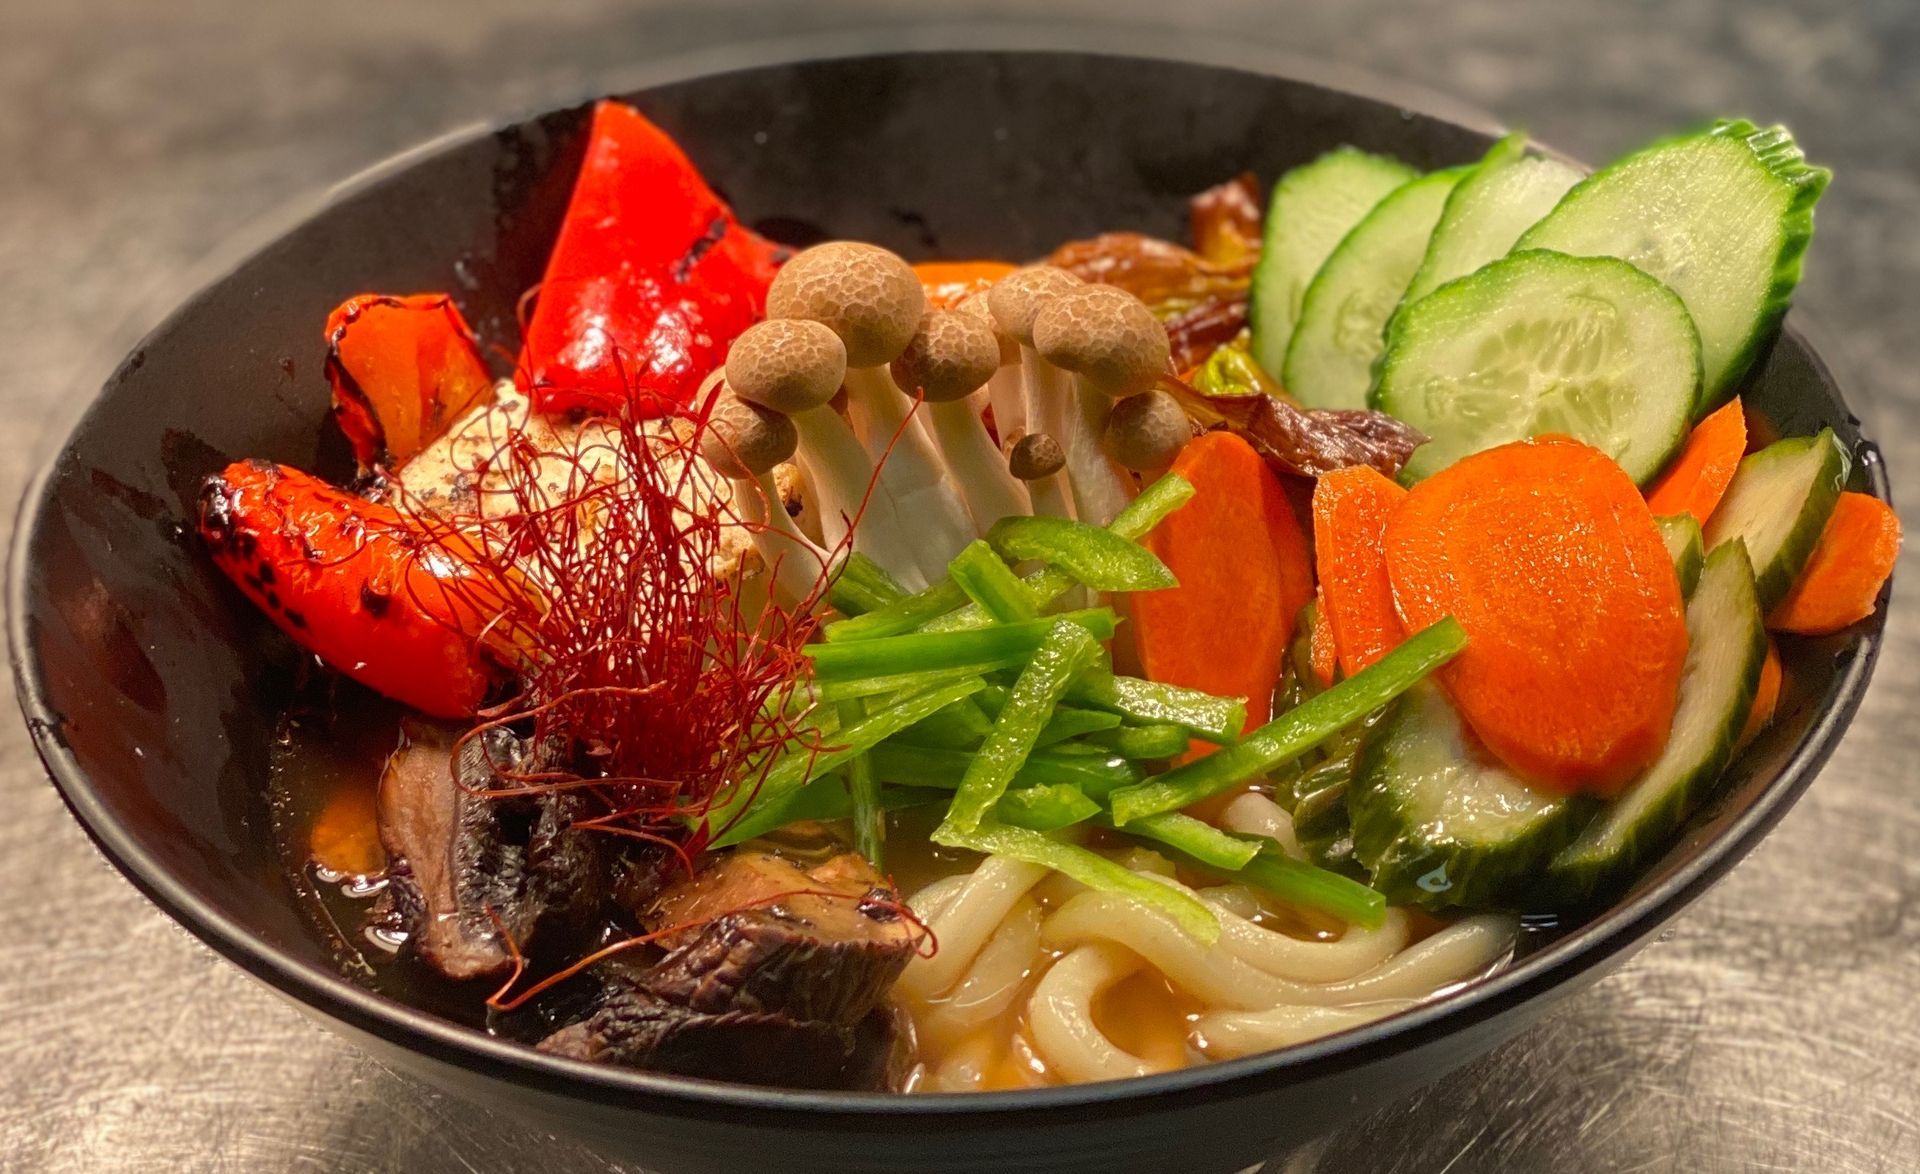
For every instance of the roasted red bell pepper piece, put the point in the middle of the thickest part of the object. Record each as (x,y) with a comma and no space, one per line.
(403,369)
(650,279)
(352,583)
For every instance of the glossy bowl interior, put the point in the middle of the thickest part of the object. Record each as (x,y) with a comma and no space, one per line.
(151,687)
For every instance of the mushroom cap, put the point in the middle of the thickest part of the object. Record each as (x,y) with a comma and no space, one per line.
(1146,431)
(865,294)
(1106,336)
(949,358)
(976,304)
(1016,298)
(743,439)
(1034,456)
(786,364)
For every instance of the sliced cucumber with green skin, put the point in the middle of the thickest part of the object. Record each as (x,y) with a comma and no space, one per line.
(1688,549)
(1313,207)
(1727,641)
(1777,504)
(1344,313)
(1722,215)
(1541,342)
(1439,823)
(1508,192)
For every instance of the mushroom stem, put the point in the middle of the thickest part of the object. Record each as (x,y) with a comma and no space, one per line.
(798,565)
(991,491)
(843,479)
(1101,488)
(912,475)
(1006,393)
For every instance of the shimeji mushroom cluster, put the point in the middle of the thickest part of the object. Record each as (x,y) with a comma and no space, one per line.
(1068,368)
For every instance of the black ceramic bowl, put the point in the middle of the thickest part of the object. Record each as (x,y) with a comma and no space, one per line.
(150,686)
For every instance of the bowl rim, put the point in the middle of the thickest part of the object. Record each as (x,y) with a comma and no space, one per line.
(321,990)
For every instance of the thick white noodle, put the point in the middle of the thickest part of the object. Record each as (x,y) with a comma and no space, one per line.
(1061,1016)
(1227,1034)
(967,919)
(1253,814)
(1219,977)
(994,980)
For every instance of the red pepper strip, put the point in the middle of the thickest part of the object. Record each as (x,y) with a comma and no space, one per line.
(650,279)
(403,369)
(351,583)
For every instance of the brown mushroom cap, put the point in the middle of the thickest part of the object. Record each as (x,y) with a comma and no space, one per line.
(976,304)
(865,294)
(1034,456)
(949,358)
(1146,431)
(1106,336)
(744,439)
(786,364)
(1016,298)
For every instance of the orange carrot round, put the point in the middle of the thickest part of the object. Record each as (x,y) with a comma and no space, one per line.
(1350,509)
(1244,574)
(1697,479)
(1322,652)
(947,282)
(1547,555)
(1843,576)
(1766,697)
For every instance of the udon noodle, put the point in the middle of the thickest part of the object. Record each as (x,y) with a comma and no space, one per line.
(1014,995)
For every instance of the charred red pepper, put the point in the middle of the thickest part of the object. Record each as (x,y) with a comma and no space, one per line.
(351,582)
(650,280)
(403,369)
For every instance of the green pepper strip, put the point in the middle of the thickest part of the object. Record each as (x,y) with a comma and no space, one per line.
(1154,741)
(991,584)
(923,766)
(1217,719)
(1197,839)
(793,769)
(1089,868)
(1094,556)
(1044,808)
(863,586)
(869,818)
(848,688)
(1296,731)
(919,651)
(1068,722)
(1063,655)
(1133,522)
(901,615)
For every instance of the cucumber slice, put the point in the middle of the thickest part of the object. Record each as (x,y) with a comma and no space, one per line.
(1722,215)
(1682,536)
(1313,207)
(1438,823)
(1508,192)
(1542,342)
(1727,641)
(1778,504)
(1345,310)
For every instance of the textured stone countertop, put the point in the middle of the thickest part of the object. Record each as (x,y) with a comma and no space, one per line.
(1775,1026)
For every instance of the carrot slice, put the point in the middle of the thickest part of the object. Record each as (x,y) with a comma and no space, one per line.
(1350,509)
(1843,576)
(1766,697)
(1322,651)
(947,282)
(1244,573)
(1547,555)
(1697,479)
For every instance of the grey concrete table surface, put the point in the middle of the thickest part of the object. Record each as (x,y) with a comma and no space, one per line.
(1774,1027)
